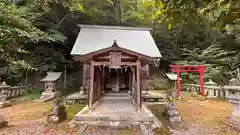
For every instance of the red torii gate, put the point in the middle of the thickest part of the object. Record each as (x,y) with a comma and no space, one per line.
(189,68)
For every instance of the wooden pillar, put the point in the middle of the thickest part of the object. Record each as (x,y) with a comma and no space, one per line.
(147,70)
(129,80)
(178,83)
(201,82)
(99,84)
(103,81)
(133,82)
(117,87)
(91,86)
(138,85)
(84,81)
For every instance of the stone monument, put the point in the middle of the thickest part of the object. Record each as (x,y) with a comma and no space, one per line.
(58,112)
(171,113)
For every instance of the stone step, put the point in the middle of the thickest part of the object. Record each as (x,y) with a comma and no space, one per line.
(116,94)
(132,118)
(122,124)
(115,98)
(46,98)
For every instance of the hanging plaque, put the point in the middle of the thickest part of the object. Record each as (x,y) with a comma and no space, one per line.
(115,59)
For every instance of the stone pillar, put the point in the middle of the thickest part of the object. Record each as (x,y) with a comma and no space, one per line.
(217,93)
(234,119)
(226,93)
(210,92)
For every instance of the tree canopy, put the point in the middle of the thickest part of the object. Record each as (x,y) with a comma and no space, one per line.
(39,34)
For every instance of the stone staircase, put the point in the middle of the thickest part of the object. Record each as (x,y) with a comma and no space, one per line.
(116,97)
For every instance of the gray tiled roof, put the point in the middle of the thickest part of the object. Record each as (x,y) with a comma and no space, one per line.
(92,38)
(51,76)
(172,76)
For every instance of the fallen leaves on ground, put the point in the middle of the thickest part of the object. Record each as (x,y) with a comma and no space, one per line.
(26,111)
(211,113)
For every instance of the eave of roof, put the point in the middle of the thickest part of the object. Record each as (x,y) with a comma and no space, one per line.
(114,48)
(114,27)
(51,76)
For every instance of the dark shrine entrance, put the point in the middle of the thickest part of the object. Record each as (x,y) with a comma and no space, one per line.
(117,80)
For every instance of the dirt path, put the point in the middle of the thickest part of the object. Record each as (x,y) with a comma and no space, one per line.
(26,111)
(28,118)
(206,113)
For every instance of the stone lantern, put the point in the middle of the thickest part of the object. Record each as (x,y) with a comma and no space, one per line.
(50,85)
(234,119)
(172,79)
(210,88)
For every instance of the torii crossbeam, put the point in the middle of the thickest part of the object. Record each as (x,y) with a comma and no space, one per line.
(189,68)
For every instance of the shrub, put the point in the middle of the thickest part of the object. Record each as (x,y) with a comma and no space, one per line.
(159,84)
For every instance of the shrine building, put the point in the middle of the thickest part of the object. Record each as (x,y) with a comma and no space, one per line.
(115,59)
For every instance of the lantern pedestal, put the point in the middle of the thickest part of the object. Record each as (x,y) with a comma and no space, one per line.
(48,95)
(235,101)
(234,119)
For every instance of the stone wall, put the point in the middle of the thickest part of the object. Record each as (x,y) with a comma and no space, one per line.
(215,91)
(11,92)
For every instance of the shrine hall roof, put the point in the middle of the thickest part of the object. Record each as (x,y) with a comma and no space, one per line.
(92,38)
(51,76)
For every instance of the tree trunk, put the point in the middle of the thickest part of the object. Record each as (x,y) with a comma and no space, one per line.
(118,11)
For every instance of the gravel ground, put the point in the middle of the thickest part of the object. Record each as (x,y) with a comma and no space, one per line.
(196,129)
(111,131)
(40,128)
(35,128)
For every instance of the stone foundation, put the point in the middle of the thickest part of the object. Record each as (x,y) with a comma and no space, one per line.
(116,110)
(47,95)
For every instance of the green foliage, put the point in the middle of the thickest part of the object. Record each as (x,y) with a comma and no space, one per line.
(31,94)
(159,84)
(158,110)
(39,34)
(73,109)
